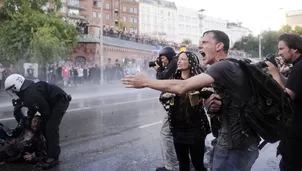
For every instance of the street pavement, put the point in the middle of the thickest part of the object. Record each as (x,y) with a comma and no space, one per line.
(114,131)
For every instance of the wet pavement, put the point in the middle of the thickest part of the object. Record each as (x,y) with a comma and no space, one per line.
(107,133)
(111,131)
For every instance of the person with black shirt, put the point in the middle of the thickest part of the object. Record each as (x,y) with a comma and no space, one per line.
(188,121)
(235,148)
(290,49)
(47,99)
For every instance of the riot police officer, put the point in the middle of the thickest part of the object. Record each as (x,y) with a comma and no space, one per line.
(47,99)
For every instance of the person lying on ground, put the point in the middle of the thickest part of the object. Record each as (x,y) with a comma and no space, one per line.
(28,145)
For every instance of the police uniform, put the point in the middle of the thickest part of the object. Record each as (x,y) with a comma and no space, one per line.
(51,102)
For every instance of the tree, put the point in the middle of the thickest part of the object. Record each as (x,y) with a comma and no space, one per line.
(298,30)
(186,41)
(248,44)
(28,32)
(286,29)
(269,41)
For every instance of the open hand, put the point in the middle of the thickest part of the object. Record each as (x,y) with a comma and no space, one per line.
(135,81)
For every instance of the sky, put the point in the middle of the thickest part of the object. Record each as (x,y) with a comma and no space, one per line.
(257,15)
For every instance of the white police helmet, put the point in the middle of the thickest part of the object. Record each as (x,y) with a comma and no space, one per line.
(14,83)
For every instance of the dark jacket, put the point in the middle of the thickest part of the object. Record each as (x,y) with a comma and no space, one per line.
(41,97)
(15,152)
(167,72)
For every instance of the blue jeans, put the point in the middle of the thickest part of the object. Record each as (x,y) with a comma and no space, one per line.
(235,159)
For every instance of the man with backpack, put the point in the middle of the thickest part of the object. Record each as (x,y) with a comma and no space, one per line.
(237,144)
(290,49)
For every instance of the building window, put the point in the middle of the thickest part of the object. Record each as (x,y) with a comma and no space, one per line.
(131,10)
(74,12)
(107,6)
(131,19)
(97,4)
(135,30)
(125,19)
(107,16)
(94,14)
(124,8)
(135,10)
(135,20)
(63,10)
(131,30)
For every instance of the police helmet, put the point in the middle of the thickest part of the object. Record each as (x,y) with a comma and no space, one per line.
(14,82)
(169,52)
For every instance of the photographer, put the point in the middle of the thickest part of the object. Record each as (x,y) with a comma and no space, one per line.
(165,66)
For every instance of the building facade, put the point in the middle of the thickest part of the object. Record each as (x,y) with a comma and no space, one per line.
(294,18)
(212,23)
(120,14)
(187,25)
(158,19)
(236,31)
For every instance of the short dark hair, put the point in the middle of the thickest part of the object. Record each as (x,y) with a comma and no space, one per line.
(221,37)
(293,41)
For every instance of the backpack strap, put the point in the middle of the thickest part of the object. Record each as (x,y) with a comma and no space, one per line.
(239,62)
(234,96)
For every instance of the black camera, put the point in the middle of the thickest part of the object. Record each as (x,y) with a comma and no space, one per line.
(166,51)
(205,94)
(271,58)
(158,61)
(17,102)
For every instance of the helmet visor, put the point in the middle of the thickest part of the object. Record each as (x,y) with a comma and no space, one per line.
(11,91)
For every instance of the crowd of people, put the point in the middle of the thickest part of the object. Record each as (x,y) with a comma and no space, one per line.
(232,99)
(145,39)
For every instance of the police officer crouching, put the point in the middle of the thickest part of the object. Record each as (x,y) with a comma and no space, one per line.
(47,99)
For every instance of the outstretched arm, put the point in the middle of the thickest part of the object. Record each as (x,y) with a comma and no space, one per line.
(171,86)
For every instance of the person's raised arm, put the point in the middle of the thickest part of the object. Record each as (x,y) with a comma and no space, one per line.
(171,86)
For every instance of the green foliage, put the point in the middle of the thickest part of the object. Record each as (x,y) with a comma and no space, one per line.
(32,34)
(269,41)
(285,29)
(186,41)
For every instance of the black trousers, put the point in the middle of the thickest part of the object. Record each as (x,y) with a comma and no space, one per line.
(51,129)
(196,152)
(291,155)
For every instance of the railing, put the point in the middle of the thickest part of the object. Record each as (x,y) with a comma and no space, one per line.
(89,38)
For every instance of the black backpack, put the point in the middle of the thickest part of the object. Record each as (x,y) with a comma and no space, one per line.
(269,111)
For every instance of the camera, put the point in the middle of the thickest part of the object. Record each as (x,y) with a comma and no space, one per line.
(158,61)
(271,58)
(17,102)
(205,94)
(167,51)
